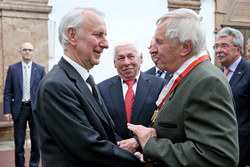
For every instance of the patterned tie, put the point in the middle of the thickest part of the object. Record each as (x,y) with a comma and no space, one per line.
(226,71)
(159,72)
(129,99)
(26,86)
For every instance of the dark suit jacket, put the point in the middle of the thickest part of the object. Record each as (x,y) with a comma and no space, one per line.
(13,91)
(197,124)
(152,71)
(147,92)
(73,129)
(240,84)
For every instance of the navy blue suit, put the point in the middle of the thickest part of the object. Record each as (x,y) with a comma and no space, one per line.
(240,84)
(13,93)
(147,92)
(152,71)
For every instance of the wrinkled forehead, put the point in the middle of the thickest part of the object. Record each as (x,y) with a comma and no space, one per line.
(126,50)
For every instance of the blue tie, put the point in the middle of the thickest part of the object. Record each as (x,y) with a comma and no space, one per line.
(159,72)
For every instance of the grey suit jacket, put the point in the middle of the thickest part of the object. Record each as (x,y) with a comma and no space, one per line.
(197,124)
(74,129)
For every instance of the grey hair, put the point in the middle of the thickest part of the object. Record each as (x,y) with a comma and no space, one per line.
(185,25)
(73,19)
(238,38)
(124,42)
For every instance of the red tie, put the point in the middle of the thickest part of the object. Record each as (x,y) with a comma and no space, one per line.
(129,99)
(226,71)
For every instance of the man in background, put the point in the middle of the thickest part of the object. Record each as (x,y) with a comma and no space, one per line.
(228,49)
(155,70)
(115,92)
(248,49)
(20,90)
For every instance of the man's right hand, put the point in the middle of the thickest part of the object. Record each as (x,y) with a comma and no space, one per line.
(8,117)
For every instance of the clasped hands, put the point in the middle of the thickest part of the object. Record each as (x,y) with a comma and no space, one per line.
(143,133)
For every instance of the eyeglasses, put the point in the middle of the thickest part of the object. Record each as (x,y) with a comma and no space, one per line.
(222,46)
(25,50)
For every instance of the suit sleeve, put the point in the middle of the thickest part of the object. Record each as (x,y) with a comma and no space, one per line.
(210,130)
(8,92)
(66,115)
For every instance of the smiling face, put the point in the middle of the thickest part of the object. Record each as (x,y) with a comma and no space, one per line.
(127,61)
(90,44)
(225,50)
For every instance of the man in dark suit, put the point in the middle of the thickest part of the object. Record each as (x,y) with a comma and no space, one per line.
(74,126)
(228,49)
(20,90)
(155,70)
(196,122)
(127,61)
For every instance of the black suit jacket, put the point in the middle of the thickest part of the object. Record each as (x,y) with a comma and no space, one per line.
(73,129)
(147,92)
(152,71)
(240,84)
(13,91)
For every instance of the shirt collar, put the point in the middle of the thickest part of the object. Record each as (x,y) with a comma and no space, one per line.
(82,71)
(136,78)
(24,64)
(234,65)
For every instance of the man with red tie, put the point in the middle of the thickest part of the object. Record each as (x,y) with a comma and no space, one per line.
(130,96)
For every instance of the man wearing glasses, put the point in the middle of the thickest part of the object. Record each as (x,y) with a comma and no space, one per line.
(228,49)
(20,90)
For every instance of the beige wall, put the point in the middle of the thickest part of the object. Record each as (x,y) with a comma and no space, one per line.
(21,21)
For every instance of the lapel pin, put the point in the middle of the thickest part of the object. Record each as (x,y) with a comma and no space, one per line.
(239,73)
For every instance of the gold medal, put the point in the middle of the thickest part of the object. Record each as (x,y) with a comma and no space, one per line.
(155,115)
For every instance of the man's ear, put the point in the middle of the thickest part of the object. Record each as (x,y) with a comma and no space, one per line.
(71,34)
(187,47)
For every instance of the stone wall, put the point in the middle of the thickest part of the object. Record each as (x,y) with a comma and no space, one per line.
(21,21)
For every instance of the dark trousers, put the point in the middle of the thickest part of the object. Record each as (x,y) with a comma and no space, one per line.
(244,142)
(19,137)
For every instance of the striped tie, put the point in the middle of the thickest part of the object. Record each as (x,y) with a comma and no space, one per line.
(159,72)
(26,86)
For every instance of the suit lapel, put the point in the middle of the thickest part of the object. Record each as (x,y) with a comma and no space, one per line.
(239,72)
(116,94)
(82,86)
(142,89)
(19,71)
(33,73)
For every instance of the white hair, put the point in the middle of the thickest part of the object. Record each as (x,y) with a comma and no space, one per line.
(73,19)
(185,25)
(126,41)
